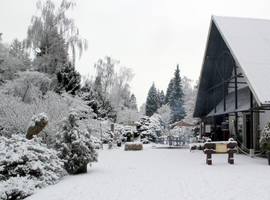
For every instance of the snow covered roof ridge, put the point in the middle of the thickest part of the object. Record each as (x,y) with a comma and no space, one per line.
(246,18)
(249,42)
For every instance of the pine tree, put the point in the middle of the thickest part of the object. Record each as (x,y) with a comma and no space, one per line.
(68,79)
(177,109)
(158,99)
(98,102)
(52,55)
(169,93)
(151,101)
(133,102)
(177,91)
(161,98)
(75,146)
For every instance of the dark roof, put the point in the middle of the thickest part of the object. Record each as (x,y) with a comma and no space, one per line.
(242,42)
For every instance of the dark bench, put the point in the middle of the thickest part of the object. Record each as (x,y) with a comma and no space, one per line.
(228,147)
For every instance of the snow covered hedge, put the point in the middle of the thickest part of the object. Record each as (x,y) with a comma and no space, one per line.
(25,165)
(75,146)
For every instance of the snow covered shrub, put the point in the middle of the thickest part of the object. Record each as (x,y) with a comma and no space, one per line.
(265,138)
(150,128)
(16,188)
(148,136)
(122,133)
(97,142)
(106,136)
(27,162)
(75,146)
(127,134)
(156,124)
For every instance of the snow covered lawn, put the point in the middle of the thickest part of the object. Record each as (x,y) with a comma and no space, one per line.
(155,174)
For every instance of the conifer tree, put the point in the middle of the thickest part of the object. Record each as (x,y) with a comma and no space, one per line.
(151,101)
(161,98)
(169,93)
(177,109)
(75,146)
(68,79)
(177,89)
(158,99)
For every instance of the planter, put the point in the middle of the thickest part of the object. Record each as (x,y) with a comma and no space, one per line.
(133,146)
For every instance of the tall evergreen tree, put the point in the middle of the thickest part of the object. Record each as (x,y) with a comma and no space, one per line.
(151,101)
(169,93)
(177,90)
(161,98)
(158,99)
(177,109)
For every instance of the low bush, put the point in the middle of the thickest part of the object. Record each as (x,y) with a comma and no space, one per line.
(25,165)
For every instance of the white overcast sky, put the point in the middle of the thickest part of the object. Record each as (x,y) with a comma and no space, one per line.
(149,36)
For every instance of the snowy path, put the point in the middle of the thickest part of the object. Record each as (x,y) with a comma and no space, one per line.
(154,174)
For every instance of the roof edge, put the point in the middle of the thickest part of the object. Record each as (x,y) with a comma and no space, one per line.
(204,55)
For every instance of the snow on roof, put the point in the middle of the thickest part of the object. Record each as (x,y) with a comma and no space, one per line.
(249,42)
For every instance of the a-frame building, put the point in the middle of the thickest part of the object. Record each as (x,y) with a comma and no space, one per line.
(234,84)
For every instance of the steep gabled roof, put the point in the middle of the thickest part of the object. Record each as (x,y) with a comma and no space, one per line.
(248,41)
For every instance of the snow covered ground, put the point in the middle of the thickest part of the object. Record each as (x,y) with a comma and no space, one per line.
(155,174)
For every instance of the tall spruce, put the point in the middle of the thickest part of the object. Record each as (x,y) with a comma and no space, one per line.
(161,98)
(158,99)
(169,93)
(177,105)
(151,101)
(177,89)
